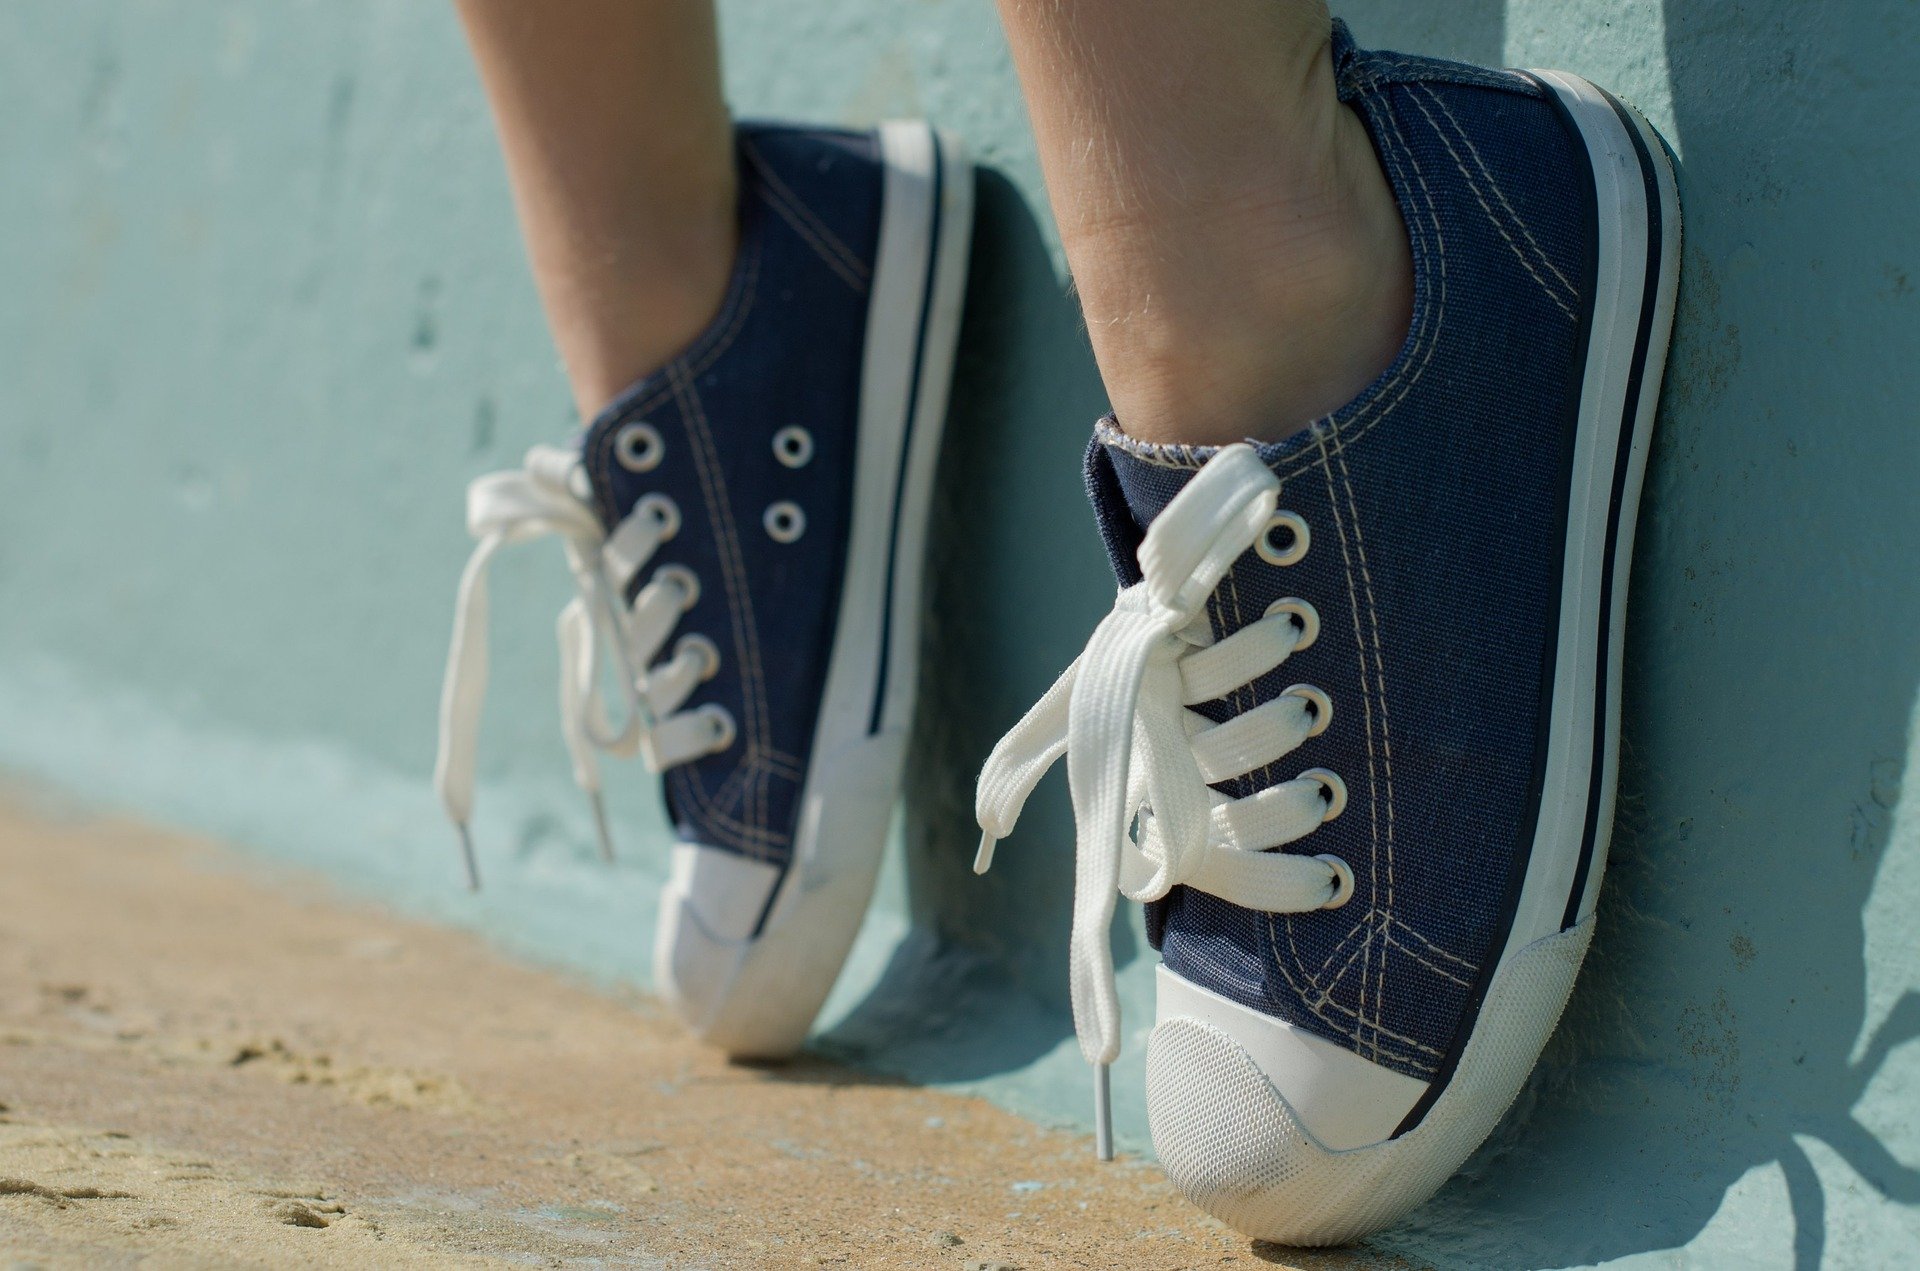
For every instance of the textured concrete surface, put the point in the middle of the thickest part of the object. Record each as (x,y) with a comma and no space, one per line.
(203,1065)
(262,313)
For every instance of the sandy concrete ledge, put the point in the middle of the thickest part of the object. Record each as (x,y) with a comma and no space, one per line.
(208,1063)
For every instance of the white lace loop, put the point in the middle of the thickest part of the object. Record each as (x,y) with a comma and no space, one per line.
(595,630)
(1138,759)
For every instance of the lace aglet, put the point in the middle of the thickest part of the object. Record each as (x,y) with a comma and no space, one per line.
(983,859)
(1102,1112)
(467,857)
(600,829)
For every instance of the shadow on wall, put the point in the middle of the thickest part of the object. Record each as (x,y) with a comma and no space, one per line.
(1723,1019)
(1724,1010)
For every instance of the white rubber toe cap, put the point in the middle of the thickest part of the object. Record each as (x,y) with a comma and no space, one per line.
(746,953)
(1234,1103)
(708,912)
(1341,1100)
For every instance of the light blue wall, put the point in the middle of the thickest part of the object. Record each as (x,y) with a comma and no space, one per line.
(263,313)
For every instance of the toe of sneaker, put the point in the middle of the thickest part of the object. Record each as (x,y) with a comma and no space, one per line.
(1238,1136)
(1238,1149)
(704,941)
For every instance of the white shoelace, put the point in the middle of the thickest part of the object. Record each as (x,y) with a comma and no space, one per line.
(1138,759)
(547,497)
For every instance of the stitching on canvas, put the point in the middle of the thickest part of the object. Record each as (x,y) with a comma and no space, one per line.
(1395,70)
(834,253)
(727,797)
(723,830)
(733,567)
(1319,1006)
(1442,972)
(733,560)
(780,765)
(1526,259)
(756,786)
(1367,694)
(1326,1000)
(1313,977)
(781,189)
(1338,453)
(717,815)
(807,235)
(715,812)
(1300,975)
(1431,946)
(1493,184)
(1360,950)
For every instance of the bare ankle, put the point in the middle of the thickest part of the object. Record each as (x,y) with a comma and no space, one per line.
(634,316)
(1287,322)
(1259,302)
(625,301)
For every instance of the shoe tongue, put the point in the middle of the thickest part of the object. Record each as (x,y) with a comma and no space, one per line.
(1130,484)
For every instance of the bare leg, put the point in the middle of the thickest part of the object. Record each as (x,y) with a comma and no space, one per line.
(620,153)
(1238,252)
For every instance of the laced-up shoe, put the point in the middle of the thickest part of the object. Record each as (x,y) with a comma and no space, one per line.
(1351,729)
(746,528)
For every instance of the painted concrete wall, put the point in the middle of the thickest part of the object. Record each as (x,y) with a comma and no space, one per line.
(262,314)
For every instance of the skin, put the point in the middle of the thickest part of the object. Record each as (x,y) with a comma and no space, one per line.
(620,156)
(1237,251)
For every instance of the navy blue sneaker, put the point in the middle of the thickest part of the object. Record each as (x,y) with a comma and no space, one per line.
(746,527)
(1351,728)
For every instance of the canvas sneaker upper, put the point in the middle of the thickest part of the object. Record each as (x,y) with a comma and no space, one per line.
(756,425)
(706,513)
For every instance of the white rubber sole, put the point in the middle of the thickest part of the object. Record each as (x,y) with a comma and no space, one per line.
(1270,1147)
(750,976)
(1610,456)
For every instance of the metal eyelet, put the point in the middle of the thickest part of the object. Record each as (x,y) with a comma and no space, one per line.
(1342,882)
(683,578)
(1296,548)
(705,649)
(1335,791)
(785,521)
(721,721)
(663,511)
(1305,616)
(793,446)
(638,447)
(1317,699)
